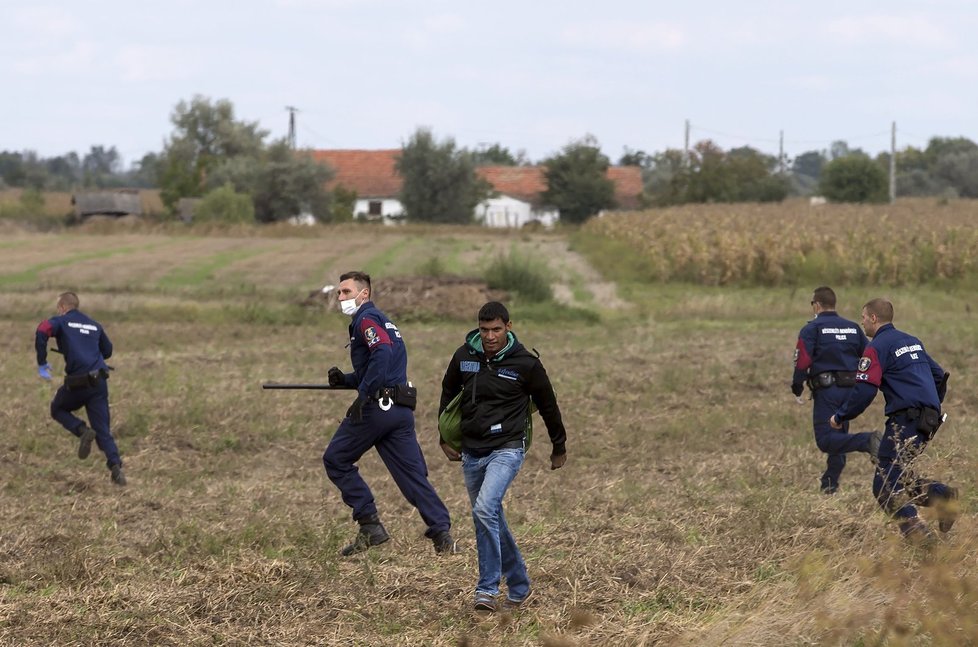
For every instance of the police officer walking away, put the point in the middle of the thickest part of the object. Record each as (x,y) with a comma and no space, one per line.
(382,416)
(85,347)
(913,386)
(828,350)
(497,378)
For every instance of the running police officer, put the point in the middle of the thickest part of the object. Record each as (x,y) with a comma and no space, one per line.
(85,347)
(382,416)
(913,386)
(828,349)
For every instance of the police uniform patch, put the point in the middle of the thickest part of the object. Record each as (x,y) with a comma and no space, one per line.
(864,364)
(370,335)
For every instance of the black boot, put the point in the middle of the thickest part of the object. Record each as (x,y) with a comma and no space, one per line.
(85,437)
(948,508)
(444,544)
(371,533)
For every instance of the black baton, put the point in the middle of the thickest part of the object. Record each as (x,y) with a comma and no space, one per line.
(313,387)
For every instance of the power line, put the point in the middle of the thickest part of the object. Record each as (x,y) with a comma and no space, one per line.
(772,140)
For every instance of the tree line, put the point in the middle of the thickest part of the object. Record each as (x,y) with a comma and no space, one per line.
(237,173)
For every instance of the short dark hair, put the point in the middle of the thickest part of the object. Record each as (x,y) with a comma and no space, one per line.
(492,311)
(882,308)
(69,300)
(825,296)
(360,277)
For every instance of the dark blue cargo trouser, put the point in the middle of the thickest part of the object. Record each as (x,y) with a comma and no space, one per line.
(95,399)
(898,491)
(834,442)
(392,433)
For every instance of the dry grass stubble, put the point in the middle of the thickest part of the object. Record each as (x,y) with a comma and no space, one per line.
(688,512)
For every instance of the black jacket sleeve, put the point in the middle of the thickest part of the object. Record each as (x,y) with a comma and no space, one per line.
(542,393)
(451,384)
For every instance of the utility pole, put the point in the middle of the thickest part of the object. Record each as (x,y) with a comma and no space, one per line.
(686,143)
(893,163)
(781,151)
(291,138)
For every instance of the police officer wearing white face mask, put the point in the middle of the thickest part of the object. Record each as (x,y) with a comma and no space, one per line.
(382,416)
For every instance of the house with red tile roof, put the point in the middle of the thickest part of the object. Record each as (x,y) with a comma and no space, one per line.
(516,201)
(371,174)
(519,194)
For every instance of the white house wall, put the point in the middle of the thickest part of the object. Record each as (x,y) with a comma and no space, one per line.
(388,207)
(505,211)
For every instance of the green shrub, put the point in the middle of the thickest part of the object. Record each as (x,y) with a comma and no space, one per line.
(224,204)
(434,266)
(524,275)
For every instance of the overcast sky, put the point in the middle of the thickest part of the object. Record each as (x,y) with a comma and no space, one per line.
(531,75)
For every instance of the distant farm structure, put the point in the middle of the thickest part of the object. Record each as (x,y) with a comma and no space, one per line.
(107,202)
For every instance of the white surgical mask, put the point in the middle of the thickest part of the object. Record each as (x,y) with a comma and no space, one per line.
(349,307)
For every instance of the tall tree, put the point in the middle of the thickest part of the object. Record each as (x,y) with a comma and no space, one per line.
(205,135)
(666,178)
(440,183)
(498,155)
(577,180)
(630,157)
(280,183)
(100,166)
(854,178)
(809,164)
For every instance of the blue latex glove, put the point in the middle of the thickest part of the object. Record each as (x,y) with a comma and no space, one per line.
(44,370)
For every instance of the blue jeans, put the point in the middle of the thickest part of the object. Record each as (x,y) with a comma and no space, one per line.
(486,479)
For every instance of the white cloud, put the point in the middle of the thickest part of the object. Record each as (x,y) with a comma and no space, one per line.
(814,82)
(961,67)
(77,59)
(428,34)
(907,30)
(45,25)
(628,36)
(322,4)
(142,63)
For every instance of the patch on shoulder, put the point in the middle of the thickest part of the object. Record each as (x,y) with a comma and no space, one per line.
(864,364)
(370,335)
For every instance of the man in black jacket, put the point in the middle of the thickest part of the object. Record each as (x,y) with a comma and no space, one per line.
(498,378)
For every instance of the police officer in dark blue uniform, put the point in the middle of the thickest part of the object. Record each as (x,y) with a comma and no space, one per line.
(85,347)
(913,386)
(828,349)
(382,416)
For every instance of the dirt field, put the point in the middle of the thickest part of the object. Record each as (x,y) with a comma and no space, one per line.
(688,512)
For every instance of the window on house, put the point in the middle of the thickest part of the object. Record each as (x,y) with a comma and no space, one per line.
(374,207)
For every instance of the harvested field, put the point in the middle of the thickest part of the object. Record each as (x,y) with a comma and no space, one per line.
(688,512)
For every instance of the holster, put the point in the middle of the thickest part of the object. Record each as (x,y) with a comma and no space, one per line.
(85,380)
(824,380)
(928,421)
(405,395)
